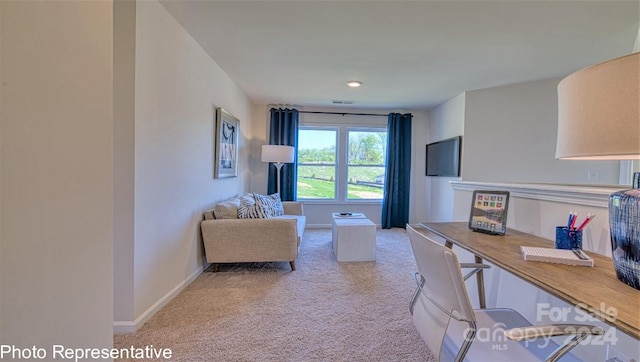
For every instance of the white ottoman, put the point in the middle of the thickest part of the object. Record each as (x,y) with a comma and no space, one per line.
(354,239)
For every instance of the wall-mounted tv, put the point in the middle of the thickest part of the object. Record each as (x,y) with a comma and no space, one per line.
(443,157)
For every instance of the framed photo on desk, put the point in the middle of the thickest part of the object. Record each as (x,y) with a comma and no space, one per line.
(489,212)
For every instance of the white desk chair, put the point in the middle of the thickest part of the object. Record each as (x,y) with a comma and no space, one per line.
(454,331)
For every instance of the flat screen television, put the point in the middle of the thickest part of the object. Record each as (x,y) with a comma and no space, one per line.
(443,158)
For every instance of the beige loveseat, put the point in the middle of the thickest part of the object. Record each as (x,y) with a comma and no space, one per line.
(229,239)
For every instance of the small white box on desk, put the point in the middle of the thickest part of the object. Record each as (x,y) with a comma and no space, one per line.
(559,256)
(354,239)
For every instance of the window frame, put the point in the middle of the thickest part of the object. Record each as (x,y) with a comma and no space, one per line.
(342,160)
(347,165)
(335,165)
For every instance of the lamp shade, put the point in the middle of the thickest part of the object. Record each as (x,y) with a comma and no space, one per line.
(277,153)
(599,111)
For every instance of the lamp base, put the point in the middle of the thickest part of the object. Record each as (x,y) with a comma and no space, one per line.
(624,222)
(278,168)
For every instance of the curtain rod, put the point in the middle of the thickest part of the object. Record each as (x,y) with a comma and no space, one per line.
(347,113)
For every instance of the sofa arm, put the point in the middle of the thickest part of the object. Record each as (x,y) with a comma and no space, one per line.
(292,208)
(247,240)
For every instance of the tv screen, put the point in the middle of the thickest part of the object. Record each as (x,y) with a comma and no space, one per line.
(443,157)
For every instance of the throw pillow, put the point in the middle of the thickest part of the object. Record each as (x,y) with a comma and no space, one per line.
(270,204)
(250,209)
(227,209)
(277,204)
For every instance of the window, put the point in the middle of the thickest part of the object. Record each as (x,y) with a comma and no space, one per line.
(365,166)
(317,163)
(341,163)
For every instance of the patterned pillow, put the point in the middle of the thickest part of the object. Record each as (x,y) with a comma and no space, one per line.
(277,204)
(271,204)
(250,209)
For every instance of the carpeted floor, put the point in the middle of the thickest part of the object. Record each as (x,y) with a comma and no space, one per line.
(324,311)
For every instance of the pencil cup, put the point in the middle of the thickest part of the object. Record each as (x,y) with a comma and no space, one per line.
(568,239)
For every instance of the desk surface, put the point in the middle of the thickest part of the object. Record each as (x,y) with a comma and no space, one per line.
(596,289)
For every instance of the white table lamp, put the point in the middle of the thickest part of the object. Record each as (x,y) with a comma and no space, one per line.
(278,155)
(599,119)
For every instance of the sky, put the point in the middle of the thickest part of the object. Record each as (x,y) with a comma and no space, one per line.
(317,139)
(308,139)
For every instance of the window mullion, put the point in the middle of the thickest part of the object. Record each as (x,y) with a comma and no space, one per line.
(342,158)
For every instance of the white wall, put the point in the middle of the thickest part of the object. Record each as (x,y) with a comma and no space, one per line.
(319,213)
(177,88)
(259,169)
(421,132)
(124,47)
(510,136)
(56,174)
(447,120)
(1,123)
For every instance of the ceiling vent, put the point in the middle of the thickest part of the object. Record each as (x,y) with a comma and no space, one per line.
(342,102)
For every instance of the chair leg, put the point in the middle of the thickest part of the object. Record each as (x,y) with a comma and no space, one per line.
(216,267)
(293,265)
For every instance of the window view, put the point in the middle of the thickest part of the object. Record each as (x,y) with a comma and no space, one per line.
(341,163)
(365,167)
(317,163)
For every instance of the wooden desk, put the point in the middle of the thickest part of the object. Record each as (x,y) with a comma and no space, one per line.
(596,290)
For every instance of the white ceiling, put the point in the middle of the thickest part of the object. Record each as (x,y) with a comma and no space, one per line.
(408,54)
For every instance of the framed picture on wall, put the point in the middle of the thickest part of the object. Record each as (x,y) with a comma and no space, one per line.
(226,144)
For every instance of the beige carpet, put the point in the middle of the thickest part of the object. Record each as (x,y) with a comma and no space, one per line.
(324,311)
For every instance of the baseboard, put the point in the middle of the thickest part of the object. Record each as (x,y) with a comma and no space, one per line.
(318,226)
(121,327)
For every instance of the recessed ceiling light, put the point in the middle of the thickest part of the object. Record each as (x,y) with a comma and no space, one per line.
(354,83)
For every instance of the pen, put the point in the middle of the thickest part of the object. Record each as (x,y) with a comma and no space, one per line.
(586,221)
(573,221)
(570,218)
(580,254)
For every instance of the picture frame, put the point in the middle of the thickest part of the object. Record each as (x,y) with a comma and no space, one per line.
(227,130)
(489,212)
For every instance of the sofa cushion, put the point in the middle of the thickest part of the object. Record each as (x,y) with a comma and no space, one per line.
(227,209)
(250,209)
(271,204)
(301,222)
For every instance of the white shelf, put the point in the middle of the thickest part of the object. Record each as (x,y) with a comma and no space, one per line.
(573,194)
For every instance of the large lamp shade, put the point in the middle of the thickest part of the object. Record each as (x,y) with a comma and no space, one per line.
(278,153)
(599,111)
